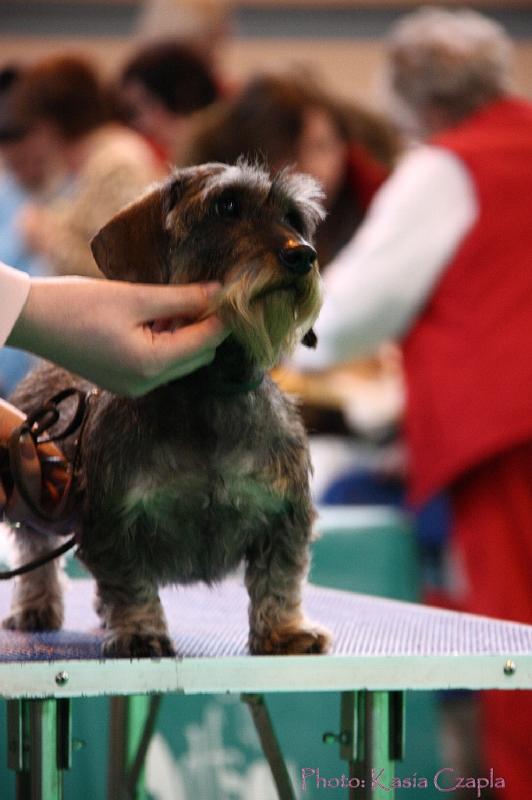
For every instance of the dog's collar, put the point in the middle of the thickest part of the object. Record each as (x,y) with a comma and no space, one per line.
(227,388)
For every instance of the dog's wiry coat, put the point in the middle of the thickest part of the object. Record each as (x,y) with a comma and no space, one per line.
(189,481)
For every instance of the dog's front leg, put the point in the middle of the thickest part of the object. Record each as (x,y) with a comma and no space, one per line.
(134,620)
(275,572)
(37,602)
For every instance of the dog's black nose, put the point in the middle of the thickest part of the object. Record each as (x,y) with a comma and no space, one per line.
(298,258)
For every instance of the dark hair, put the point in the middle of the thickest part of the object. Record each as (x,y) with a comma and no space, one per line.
(175,74)
(64,90)
(11,129)
(267,120)
(8,76)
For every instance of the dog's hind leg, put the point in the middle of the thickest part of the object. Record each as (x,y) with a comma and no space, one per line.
(37,602)
(134,620)
(275,571)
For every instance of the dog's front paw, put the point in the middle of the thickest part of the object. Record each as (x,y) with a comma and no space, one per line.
(137,645)
(291,640)
(38,618)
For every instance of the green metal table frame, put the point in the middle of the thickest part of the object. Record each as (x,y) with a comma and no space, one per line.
(40,743)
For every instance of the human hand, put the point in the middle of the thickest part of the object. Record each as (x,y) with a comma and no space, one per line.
(128,338)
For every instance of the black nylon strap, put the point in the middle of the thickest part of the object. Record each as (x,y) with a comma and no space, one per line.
(38,562)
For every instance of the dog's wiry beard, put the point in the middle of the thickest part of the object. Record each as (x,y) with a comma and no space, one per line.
(269,317)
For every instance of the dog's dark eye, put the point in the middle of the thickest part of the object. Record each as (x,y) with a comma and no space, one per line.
(294,220)
(227,207)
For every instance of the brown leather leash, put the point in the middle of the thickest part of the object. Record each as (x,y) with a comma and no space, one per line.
(23,464)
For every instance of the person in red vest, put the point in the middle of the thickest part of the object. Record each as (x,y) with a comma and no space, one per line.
(443,263)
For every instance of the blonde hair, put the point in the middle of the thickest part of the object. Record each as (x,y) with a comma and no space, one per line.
(454,60)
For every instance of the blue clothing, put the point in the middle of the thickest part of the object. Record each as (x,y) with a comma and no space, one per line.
(13,198)
(13,363)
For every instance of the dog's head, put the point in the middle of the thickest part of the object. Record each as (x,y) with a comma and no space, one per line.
(236,225)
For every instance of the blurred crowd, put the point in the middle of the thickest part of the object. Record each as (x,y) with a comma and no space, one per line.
(410,178)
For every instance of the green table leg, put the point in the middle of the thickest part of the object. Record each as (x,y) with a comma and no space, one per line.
(39,747)
(371,741)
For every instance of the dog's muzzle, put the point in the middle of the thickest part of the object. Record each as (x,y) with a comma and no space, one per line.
(297,258)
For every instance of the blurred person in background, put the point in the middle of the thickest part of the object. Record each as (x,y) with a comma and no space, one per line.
(443,262)
(19,156)
(160,89)
(62,105)
(203,24)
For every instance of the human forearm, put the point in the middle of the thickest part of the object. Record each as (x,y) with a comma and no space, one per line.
(101,330)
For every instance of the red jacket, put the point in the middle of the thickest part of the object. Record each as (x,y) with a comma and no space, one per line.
(366,174)
(468,358)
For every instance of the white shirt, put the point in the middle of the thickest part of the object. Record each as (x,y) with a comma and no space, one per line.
(14,289)
(379,282)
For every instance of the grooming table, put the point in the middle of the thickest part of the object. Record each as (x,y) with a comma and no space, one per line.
(381,648)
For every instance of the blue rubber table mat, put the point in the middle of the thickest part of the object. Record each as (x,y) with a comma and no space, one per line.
(212,622)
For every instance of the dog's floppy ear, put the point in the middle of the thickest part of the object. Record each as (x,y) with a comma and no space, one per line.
(133,245)
(310,339)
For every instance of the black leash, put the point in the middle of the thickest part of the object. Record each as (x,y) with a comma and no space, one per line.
(35,426)
(38,562)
